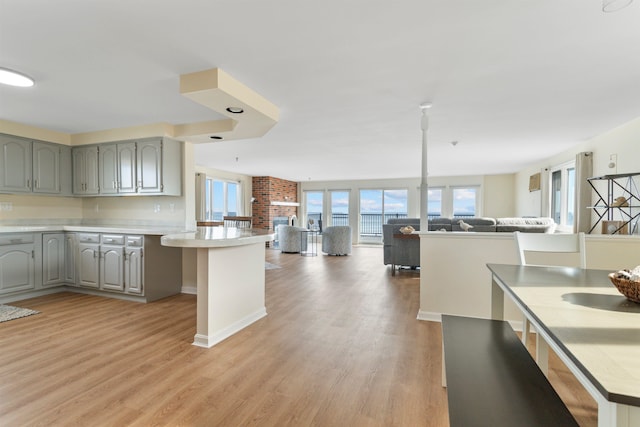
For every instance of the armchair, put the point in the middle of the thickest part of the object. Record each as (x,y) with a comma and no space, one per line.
(336,240)
(289,238)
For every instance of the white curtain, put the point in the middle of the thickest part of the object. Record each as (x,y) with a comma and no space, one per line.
(545,208)
(200,196)
(584,170)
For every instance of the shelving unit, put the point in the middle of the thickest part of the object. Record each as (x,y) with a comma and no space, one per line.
(605,208)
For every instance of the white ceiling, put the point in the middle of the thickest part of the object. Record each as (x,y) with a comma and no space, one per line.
(514,81)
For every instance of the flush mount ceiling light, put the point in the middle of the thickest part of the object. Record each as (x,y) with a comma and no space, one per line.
(426,105)
(235,110)
(14,78)
(614,5)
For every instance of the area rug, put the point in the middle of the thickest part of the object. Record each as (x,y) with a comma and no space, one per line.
(269,266)
(8,312)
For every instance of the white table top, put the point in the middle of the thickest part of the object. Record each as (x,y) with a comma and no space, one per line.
(214,237)
(595,325)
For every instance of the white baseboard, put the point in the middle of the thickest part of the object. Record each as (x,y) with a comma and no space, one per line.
(208,341)
(191,290)
(430,316)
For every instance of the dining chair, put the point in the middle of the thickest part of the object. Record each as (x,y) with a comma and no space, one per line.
(237,221)
(559,243)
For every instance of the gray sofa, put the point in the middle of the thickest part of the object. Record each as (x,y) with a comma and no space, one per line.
(525,225)
(400,252)
(406,252)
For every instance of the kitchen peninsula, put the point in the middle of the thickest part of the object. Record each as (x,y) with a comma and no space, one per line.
(230,279)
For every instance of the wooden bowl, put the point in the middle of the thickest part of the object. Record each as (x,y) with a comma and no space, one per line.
(628,288)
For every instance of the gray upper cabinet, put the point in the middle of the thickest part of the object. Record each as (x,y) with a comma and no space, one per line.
(46,168)
(117,168)
(15,164)
(150,166)
(28,166)
(159,166)
(85,171)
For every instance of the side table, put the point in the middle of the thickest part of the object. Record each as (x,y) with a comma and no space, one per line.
(311,239)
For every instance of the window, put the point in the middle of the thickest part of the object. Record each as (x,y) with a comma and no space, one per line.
(221,198)
(465,202)
(339,208)
(563,195)
(314,207)
(434,202)
(455,201)
(376,207)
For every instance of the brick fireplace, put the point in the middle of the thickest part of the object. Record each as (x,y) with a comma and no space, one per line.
(268,190)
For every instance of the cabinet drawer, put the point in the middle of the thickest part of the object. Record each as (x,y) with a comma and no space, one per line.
(112,239)
(15,239)
(88,238)
(135,241)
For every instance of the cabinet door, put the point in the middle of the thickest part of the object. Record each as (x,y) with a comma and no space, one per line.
(150,166)
(85,171)
(127,168)
(108,168)
(133,278)
(53,262)
(70,258)
(15,164)
(46,168)
(88,264)
(112,268)
(17,267)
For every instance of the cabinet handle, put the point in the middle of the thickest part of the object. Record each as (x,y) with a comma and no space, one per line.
(33,254)
(35,183)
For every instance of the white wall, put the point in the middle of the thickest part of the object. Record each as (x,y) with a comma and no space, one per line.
(498,197)
(623,141)
(454,278)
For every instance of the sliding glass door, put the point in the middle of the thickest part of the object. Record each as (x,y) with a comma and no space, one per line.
(376,208)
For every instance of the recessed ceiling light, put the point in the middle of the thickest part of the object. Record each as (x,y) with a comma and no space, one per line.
(426,105)
(14,78)
(215,137)
(235,110)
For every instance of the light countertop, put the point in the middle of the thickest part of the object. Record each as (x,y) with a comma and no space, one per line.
(121,229)
(212,237)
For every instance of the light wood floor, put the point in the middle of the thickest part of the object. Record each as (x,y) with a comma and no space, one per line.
(341,346)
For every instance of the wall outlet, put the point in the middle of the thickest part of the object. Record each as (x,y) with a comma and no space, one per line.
(172,207)
(156,208)
(6,206)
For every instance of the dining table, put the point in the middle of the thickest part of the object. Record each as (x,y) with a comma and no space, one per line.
(593,329)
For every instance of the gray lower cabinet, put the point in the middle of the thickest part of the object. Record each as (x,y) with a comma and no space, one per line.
(133,265)
(130,265)
(17,263)
(53,259)
(112,262)
(70,256)
(88,264)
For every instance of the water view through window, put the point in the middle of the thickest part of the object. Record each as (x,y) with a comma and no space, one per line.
(377,207)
